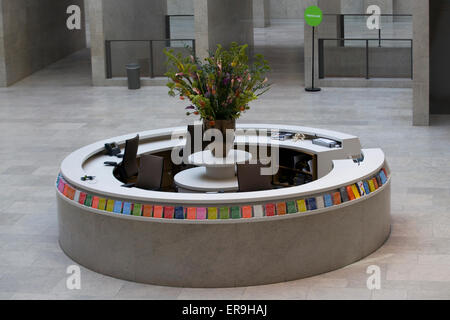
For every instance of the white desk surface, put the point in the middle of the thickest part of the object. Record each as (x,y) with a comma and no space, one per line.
(196,179)
(206,159)
(89,160)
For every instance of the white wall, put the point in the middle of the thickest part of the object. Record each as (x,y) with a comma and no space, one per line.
(286,9)
(180,7)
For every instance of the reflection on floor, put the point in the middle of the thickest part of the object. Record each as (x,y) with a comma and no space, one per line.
(55,111)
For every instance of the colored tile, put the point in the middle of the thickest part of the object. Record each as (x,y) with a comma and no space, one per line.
(224,213)
(361,189)
(77,195)
(383,177)
(191,213)
(350,194)
(212,213)
(101,204)
(146,210)
(235,213)
(137,209)
(179,213)
(379,181)
(371,186)
(89,200)
(201,213)
(158,212)
(61,186)
(246,212)
(311,203)
(95,201)
(270,210)
(169,212)
(328,200)
(301,205)
(82,198)
(281,208)
(126,208)
(70,193)
(355,191)
(110,205)
(337,198)
(66,190)
(258,211)
(344,194)
(375,183)
(117,206)
(291,207)
(366,187)
(319,202)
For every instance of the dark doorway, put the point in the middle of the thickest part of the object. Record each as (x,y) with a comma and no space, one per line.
(439,56)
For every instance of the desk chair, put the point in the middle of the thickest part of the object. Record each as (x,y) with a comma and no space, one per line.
(250,178)
(150,173)
(128,167)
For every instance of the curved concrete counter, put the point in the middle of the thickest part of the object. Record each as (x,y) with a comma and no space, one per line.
(232,252)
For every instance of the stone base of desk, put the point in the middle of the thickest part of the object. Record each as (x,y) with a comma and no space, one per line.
(224,253)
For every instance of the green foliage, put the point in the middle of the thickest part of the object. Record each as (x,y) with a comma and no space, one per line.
(221,87)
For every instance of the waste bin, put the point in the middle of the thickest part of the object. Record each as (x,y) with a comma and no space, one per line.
(134,76)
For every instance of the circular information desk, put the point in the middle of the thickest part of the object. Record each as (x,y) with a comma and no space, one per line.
(225,239)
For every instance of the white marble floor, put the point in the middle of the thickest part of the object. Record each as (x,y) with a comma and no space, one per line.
(55,111)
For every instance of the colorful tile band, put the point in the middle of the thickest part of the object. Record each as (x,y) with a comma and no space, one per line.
(344,194)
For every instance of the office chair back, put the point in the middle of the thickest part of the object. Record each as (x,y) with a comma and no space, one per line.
(129,168)
(151,170)
(250,178)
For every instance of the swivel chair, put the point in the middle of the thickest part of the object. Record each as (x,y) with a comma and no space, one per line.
(128,167)
(150,174)
(250,178)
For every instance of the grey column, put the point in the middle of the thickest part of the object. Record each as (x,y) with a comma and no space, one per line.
(222,22)
(126,20)
(261,13)
(2,50)
(421,69)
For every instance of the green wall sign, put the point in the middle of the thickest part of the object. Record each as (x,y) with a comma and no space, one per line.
(313,16)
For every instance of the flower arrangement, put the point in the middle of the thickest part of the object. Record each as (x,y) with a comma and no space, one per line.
(222,86)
